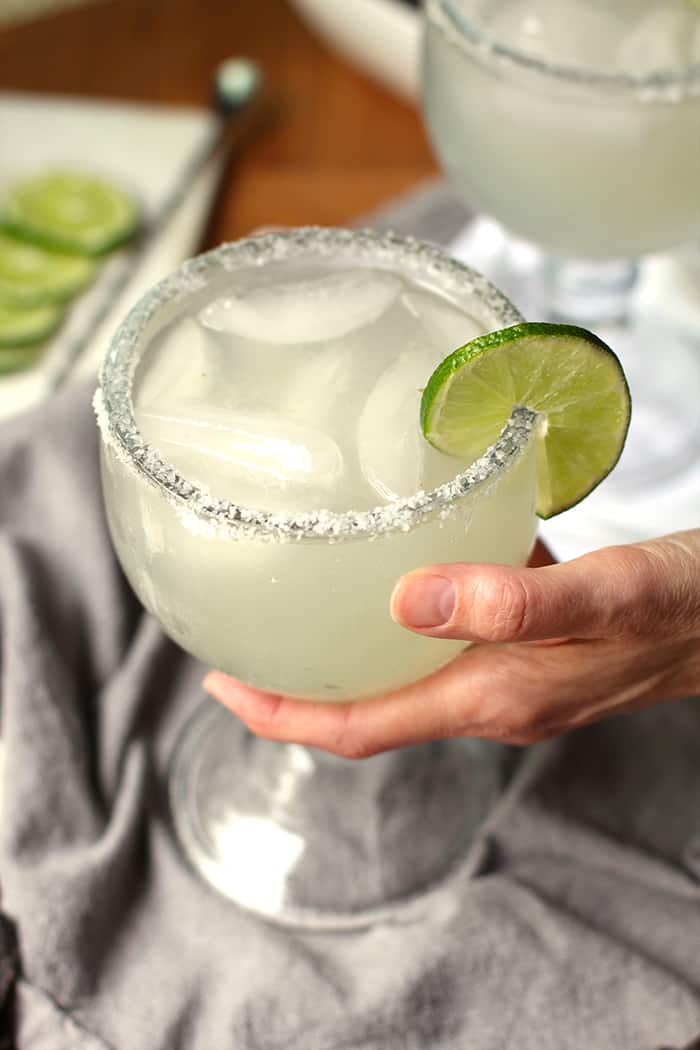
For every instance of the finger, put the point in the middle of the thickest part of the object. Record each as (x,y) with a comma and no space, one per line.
(540,556)
(509,693)
(426,710)
(282,718)
(611,592)
(514,694)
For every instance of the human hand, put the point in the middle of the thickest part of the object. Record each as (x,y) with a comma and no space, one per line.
(558,647)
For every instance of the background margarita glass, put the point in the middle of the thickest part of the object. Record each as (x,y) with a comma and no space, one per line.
(574,124)
(298,601)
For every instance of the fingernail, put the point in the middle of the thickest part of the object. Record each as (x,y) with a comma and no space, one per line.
(424,601)
(247,703)
(213,681)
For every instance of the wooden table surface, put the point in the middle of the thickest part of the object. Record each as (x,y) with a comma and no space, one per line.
(340,146)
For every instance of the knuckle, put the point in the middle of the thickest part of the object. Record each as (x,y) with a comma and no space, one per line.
(519,732)
(670,597)
(500,608)
(349,742)
(516,717)
(266,719)
(523,732)
(644,598)
(353,750)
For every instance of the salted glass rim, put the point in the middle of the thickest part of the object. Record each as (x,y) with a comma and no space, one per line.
(647,84)
(209,515)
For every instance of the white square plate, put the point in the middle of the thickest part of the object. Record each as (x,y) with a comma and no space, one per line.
(148,150)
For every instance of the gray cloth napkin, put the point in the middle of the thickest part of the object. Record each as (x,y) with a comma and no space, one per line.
(580,928)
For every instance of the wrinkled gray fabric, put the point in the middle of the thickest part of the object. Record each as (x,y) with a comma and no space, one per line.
(578,930)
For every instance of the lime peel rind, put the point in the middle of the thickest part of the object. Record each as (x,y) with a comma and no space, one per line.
(28,326)
(31,275)
(564,374)
(16,358)
(70,211)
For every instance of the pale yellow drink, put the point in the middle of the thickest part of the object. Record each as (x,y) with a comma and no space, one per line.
(572,122)
(283,377)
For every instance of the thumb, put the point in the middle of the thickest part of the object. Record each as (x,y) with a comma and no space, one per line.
(612,592)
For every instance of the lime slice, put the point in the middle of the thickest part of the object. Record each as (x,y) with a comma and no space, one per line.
(70,211)
(13,358)
(567,375)
(30,275)
(26,327)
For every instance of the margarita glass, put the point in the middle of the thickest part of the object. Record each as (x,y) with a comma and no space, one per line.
(575,125)
(297,600)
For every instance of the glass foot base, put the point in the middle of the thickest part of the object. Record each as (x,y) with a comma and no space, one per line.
(306,839)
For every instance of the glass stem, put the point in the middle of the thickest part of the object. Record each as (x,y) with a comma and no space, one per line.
(589,292)
(323,842)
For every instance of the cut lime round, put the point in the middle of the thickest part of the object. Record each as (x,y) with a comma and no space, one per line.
(25,327)
(30,275)
(70,211)
(567,375)
(14,358)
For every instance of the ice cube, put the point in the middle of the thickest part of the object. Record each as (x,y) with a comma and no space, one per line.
(318,385)
(177,368)
(326,385)
(393,454)
(445,326)
(255,459)
(307,311)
